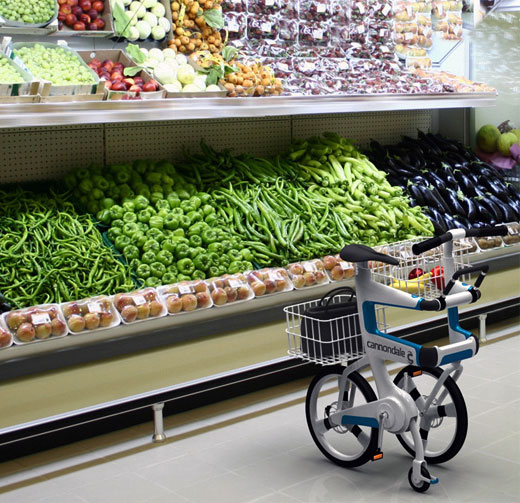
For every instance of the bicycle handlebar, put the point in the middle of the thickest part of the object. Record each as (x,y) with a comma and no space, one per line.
(424,246)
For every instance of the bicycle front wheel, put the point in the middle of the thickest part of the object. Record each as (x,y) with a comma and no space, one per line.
(444,425)
(349,445)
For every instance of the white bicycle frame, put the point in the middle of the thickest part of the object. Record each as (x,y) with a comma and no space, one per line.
(395,410)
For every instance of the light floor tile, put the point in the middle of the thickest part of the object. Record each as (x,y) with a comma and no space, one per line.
(37,489)
(508,448)
(275,498)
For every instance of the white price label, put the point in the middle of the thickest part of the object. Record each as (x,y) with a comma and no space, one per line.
(183,289)
(139,300)
(361,8)
(386,9)
(343,65)
(317,34)
(238,43)
(345,266)
(40,318)
(360,28)
(308,67)
(235,283)
(269,3)
(94,307)
(274,275)
(283,67)
(384,49)
(382,33)
(321,8)
(233,26)
(367,67)
(408,35)
(266,27)
(309,267)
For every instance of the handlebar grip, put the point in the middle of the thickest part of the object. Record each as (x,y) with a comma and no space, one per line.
(431,305)
(499,230)
(424,246)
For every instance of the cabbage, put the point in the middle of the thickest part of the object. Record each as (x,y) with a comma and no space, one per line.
(182,59)
(139,8)
(151,63)
(172,62)
(133,20)
(200,81)
(149,3)
(169,53)
(174,87)
(144,50)
(159,10)
(158,33)
(144,29)
(150,19)
(164,73)
(132,34)
(156,54)
(165,24)
(126,3)
(191,88)
(212,88)
(186,74)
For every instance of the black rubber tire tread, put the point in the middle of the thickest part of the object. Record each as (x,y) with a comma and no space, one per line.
(369,396)
(420,489)
(460,406)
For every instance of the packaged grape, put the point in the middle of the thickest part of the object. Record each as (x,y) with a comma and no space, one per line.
(139,305)
(315,11)
(185,296)
(337,268)
(36,324)
(236,26)
(93,314)
(6,338)
(382,10)
(314,34)
(340,36)
(307,274)
(234,6)
(230,289)
(359,11)
(381,36)
(305,66)
(288,31)
(282,67)
(265,8)
(358,33)
(269,281)
(263,27)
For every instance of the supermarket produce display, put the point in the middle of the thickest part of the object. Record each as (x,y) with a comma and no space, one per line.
(137,241)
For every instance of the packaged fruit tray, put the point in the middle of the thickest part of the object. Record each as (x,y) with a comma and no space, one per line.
(6,338)
(139,305)
(513,236)
(86,18)
(90,315)
(337,268)
(185,297)
(230,289)
(110,64)
(269,281)
(36,324)
(51,4)
(308,274)
(58,90)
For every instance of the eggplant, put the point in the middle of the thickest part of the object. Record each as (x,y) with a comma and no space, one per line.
(447,175)
(454,203)
(437,218)
(443,143)
(496,211)
(485,214)
(470,208)
(399,169)
(498,189)
(456,158)
(511,189)
(429,143)
(417,194)
(466,185)
(429,198)
(507,211)
(443,205)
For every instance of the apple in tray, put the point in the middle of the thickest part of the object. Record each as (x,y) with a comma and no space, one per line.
(186,296)
(229,289)
(81,15)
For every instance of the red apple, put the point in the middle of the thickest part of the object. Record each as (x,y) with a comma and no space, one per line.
(25,332)
(93,13)
(203,299)
(96,62)
(66,9)
(62,2)
(100,23)
(108,85)
(138,80)
(149,87)
(79,26)
(174,304)
(43,330)
(231,293)
(58,327)
(129,81)
(84,18)
(156,308)
(118,86)
(143,311)
(76,323)
(85,5)
(77,11)
(219,296)
(14,320)
(109,65)
(115,75)
(70,20)
(92,27)
(296,269)
(72,3)
(298,281)
(336,273)
(106,319)
(119,67)
(5,338)
(98,5)
(258,287)
(320,276)
(135,89)
(129,313)
(61,16)
(189,302)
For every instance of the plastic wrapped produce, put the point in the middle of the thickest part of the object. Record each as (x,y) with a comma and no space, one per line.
(186,296)
(315,11)
(234,6)
(230,289)
(315,34)
(139,305)
(91,314)
(307,274)
(265,282)
(338,269)
(236,25)
(6,338)
(403,11)
(263,27)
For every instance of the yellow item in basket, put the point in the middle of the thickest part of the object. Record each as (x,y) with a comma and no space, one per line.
(411,285)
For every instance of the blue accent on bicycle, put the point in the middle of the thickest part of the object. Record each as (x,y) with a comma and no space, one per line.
(360,420)
(453,321)
(455,357)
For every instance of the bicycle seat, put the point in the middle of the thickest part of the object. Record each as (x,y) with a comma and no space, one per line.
(362,253)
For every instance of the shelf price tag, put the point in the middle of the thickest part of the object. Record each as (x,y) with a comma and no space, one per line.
(269,3)
(139,300)
(345,266)
(40,318)
(343,65)
(284,67)
(274,275)
(321,8)
(266,27)
(408,36)
(317,34)
(94,307)
(309,267)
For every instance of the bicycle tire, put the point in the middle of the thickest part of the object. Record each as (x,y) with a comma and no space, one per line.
(311,411)
(461,415)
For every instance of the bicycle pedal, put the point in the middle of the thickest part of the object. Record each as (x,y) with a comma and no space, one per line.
(377,455)
(434,480)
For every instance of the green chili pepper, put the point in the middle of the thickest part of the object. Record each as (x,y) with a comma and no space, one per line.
(247,254)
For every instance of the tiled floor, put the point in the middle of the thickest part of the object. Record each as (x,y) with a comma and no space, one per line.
(258,449)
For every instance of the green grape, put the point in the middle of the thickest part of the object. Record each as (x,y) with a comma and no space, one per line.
(27,11)
(9,74)
(55,64)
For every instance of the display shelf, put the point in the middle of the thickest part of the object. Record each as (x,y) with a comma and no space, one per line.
(52,114)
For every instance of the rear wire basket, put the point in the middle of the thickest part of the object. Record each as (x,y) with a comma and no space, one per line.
(421,275)
(326,342)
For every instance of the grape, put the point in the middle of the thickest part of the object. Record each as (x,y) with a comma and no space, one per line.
(55,64)
(27,11)
(8,73)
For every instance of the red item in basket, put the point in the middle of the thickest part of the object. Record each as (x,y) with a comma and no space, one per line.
(437,274)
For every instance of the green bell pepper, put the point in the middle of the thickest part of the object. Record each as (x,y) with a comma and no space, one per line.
(163,213)
(183,194)
(156,234)
(216,248)
(152,282)
(202,262)
(140,239)
(141,202)
(116,212)
(195,241)
(209,236)
(204,197)
(156,196)
(169,245)
(129,217)
(113,233)
(208,210)
(121,242)
(226,243)
(118,223)
(169,278)
(182,251)
(246,254)
(148,257)
(234,267)
(178,233)
(211,219)
(197,274)
(126,192)
(197,228)
(171,222)
(214,258)
(165,257)
(151,245)
(129,206)
(130,229)
(194,217)
(187,206)
(186,266)
(108,202)
(185,222)
(183,277)
(153,178)
(86,186)
(213,271)
(103,216)
(162,204)
(156,222)
(145,215)
(234,255)
(157,269)
(143,271)
(173,200)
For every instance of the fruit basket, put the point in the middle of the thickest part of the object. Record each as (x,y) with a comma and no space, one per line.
(36,324)
(185,297)
(89,18)
(20,24)
(89,315)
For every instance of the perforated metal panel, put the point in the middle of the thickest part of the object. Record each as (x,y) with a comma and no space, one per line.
(42,153)
(385,127)
(49,152)
(167,140)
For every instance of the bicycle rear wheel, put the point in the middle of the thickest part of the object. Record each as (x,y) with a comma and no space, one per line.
(445,424)
(349,445)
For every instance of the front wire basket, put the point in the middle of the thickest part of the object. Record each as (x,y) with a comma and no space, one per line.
(421,275)
(326,342)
